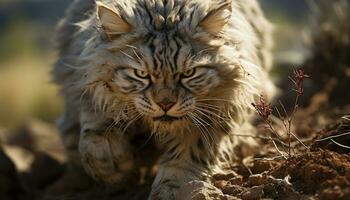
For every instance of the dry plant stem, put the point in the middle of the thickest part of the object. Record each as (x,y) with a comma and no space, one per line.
(332,137)
(299,76)
(263,138)
(265,111)
(269,159)
(273,131)
(299,140)
(283,121)
(290,120)
(278,150)
(293,144)
(286,126)
(341,145)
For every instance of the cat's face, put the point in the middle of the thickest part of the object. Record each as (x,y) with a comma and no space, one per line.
(169,76)
(169,80)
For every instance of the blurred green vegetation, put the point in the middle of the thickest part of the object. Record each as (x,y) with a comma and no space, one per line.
(17,40)
(25,87)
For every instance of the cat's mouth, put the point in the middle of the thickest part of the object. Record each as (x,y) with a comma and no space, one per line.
(166,118)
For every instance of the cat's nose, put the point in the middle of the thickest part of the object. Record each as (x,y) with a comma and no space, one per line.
(166,104)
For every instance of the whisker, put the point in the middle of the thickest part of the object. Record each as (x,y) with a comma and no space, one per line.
(199,100)
(210,113)
(131,46)
(131,122)
(209,105)
(111,126)
(83,94)
(201,131)
(127,55)
(203,124)
(211,108)
(214,121)
(137,55)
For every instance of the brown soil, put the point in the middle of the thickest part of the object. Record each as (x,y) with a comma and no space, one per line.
(322,174)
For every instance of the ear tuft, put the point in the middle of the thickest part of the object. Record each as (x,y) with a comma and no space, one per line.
(216,19)
(111,21)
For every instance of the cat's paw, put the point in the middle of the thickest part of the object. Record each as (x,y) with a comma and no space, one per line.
(106,158)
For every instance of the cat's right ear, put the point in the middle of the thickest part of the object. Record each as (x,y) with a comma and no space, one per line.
(112,23)
(217,18)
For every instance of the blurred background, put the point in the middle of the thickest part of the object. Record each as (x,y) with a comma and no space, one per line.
(27,53)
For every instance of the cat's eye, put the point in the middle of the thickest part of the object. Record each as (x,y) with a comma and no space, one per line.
(141,73)
(189,73)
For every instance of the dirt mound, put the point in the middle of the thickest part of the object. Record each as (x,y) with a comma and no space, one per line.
(335,136)
(322,174)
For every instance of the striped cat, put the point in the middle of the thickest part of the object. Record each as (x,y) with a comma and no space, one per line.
(183,71)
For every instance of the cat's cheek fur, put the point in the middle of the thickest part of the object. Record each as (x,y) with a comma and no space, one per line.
(203,87)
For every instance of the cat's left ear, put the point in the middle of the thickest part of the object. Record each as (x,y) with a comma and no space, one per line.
(217,18)
(111,21)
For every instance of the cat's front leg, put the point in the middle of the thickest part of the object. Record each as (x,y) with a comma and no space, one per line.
(106,155)
(185,160)
(168,180)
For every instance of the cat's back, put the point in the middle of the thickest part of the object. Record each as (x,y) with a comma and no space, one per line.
(67,28)
(263,30)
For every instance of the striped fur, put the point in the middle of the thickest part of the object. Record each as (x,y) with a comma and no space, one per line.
(125,64)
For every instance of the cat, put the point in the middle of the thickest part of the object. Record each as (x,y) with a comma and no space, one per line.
(183,71)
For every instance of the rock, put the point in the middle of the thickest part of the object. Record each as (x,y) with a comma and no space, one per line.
(21,157)
(44,170)
(199,190)
(37,136)
(10,187)
(254,193)
(225,176)
(232,177)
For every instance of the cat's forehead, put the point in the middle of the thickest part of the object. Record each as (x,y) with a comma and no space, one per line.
(165,14)
(167,53)
(158,15)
